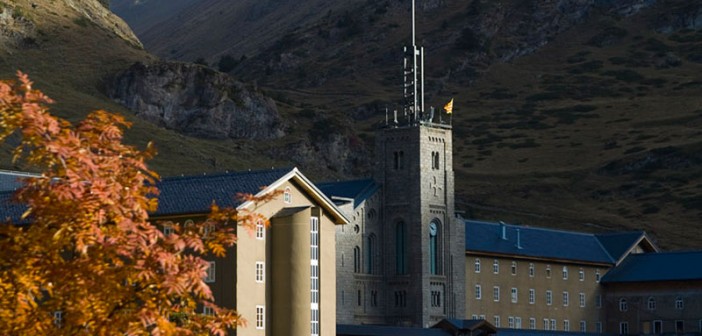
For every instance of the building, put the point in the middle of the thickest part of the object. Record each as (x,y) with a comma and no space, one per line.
(532,278)
(655,293)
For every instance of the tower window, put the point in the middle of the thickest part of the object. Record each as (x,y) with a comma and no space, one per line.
(398,158)
(435,160)
(370,249)
(434,242)
(357,259)
(400,257)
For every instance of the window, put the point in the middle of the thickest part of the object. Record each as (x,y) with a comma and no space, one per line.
(357,259)
(434,243)
(436,298)
(495,266)
(400,248)
(474,317)
(658,327)
(359,297)
(374,298)
(546,325)
(210,278)
(510,322)
(435,160)
(398,158)
(597,276)
(207,229)
(581,275)
(477,265)
(260,229)
(167,229)
(58,318)
(553,325)
(565,272)
(566,325)
(623,305)
(287,196)
(582,299)
(514,268)
(532,296)
(651,303)
(207,311)
(260,317)
(260,271)
(583,326)
(598,327)
(497,321)
(478,292)
(598,301)
(549,297)
(679,303)
(532,323)
(548,271)
(482,317)
(496,294)
(623,328)
(370,250)
(514,295)
(314,277)
(565,299)
(518,322)
(531,270)
(679,327)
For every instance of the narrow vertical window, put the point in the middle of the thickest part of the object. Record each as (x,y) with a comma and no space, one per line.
(167,229)
(496,294)
(400,248)
(581,275)
(208,311)
(495,266)
(260,271)
(478,292)
(553,325)
(314,275)
(514,268)
(583,326)
(623,305)
(679,304)
(518,322)
(546,324)
(565,299)
(434,242)
(623,328)
(260,229)
(549,297)
(58,318)
(514,295)
(597,276)
(566,325)
(260,317)
(510,322)
(357,259)
(497,321)
(548,271)
(532,323)
(370,250)
(477,265)
(532,296)
(531,270)
(210,278)
(565,272)
(651,303)
(582,299)
(287,196)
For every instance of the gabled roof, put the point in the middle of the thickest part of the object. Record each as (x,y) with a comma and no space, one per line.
(537,242)
(195,194)
(662,266)
(466,327)
(618,244)
(12,180)
(356,190)
(374,330)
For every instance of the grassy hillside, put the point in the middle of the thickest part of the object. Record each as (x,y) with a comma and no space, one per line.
(596,127)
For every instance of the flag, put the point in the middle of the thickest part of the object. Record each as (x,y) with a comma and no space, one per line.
(449,107)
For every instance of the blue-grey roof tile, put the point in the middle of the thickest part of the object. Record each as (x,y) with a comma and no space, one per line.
(535,242)
(12,180)
(518,332)
(195,194)
(661,266)
(358,190)
(11,210)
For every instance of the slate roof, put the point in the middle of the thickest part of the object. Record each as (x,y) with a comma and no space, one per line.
(661,266)
(373,330)
(358,190)
(518,332)
(194,194)
(10,210)
(547,243)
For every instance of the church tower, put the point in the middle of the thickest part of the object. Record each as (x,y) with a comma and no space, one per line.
(424,245)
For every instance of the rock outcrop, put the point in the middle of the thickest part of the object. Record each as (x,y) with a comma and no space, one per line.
(196,100)
(15,29)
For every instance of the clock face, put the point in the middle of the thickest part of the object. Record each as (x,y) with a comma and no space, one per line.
(432,229)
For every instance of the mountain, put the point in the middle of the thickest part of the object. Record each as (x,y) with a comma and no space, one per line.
(577,114)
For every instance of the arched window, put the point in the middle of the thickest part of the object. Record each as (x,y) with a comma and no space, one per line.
(287,196)
(679,304)
(623,305)
(651,303)
(370,248)
(477,265)
(400,248)
(357,259)
(434,244)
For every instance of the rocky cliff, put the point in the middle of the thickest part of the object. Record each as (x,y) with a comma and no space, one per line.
(196,100)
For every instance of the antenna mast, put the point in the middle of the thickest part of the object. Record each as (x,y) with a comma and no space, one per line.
(414,76)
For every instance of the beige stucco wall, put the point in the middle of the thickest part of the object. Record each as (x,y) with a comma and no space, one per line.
(540,283)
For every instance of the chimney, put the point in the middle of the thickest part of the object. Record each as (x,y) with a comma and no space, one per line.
(519,240)
(503,226)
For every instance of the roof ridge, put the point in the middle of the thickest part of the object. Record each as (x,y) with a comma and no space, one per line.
(599,243)
(533,228)
(222,174)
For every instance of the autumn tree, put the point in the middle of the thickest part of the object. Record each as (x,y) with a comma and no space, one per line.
(85,247)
